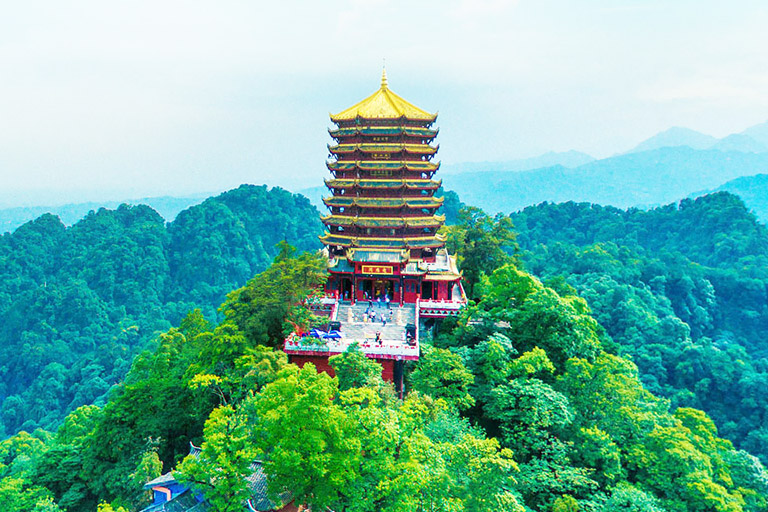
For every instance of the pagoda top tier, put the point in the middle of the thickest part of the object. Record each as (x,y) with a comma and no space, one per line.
(383,104)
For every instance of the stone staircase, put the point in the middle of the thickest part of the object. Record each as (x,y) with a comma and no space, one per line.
(356,325)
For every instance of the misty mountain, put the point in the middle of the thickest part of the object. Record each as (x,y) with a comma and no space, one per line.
(740,142)
(751,140)
(635,179)
(168,207)
(759,132)
(674,137)
(567,159)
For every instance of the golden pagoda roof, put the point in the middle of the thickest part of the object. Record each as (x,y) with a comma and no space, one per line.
(383,104)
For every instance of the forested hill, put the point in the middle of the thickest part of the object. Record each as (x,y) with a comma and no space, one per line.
(682,290)
(167,206)
(753,190)
(514,406)
(77,303)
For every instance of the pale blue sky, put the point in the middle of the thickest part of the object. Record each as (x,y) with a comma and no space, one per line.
(116,99)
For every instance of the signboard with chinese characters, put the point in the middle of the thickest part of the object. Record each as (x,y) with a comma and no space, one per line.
(381,270)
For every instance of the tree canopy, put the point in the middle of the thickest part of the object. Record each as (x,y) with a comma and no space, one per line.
(78,303)
(682,290)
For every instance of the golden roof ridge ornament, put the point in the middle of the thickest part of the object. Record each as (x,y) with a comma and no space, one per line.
(384,104)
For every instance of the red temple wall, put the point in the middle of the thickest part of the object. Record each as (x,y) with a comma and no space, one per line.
(321,363)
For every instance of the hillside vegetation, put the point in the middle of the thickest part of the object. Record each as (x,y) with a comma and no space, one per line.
(753,190)
(682,290)
(77,303)
(514,407)
(581,392)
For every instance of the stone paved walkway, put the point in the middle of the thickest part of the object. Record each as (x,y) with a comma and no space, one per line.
(356,326)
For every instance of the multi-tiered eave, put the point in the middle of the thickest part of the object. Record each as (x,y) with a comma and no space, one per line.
(397,133)
(382,200)
(349,169)
(357,184)
(381,151)
(382,191)
(434,221)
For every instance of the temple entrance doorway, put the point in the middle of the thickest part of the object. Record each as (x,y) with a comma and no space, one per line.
(382,287)
(374,288)
(346,288)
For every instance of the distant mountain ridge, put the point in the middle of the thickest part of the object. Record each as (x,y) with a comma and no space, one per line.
(569,159)
(676,136)
(641,179)
(752,140)
(167,206)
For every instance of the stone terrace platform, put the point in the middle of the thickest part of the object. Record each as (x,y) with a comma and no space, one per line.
(356,326)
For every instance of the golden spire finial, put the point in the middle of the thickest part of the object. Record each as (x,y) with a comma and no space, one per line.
(383,77)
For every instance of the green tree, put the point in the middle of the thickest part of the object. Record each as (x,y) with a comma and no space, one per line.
(224,463)
(16,496)
(353,450)
(354,369)
(627,498)
(311,448)
(274,303)
(442,374)
(481,243)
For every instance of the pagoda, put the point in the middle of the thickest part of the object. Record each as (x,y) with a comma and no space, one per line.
(382,240)
(383,227)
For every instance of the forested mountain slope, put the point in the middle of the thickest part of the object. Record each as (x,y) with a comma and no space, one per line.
(682,290)
(77,303)
(515,407)
(753,190)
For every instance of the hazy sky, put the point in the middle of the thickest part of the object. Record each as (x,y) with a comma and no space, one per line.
(118,99)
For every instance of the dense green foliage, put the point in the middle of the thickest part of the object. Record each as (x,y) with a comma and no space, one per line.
(583,429)
(76,304)
(168,207)
(682,290)
(525,402)
(451,205)
(514,407)
(753,190)
(109,453)
(481,244)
